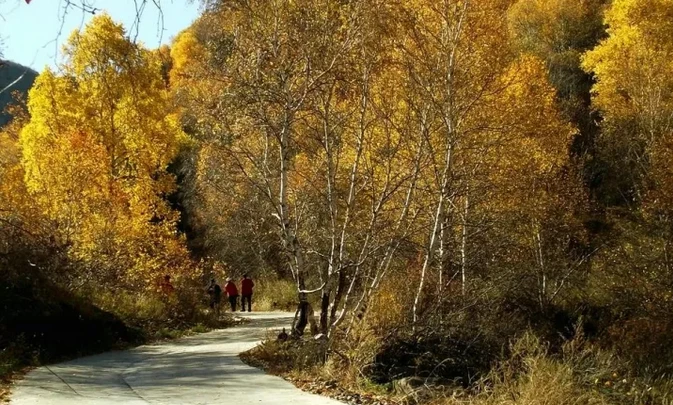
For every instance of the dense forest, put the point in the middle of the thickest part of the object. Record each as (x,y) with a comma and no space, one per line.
(474,192)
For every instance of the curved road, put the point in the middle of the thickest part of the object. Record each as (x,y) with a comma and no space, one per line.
(202,369)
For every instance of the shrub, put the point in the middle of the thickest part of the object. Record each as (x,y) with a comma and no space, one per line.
(275,295)
(294,355)
(581,374)
(41,322)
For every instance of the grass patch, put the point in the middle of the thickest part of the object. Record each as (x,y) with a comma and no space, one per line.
(528,374)
(281,358)
(581,374)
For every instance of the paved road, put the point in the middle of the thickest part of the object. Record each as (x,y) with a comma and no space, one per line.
(202,369)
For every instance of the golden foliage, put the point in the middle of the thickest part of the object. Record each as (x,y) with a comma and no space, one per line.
(634,87)
(96,151)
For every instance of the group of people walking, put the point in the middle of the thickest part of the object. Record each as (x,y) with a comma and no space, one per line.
(231,290)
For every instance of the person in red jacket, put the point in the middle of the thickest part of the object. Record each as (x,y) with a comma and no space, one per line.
(232,293)
(246,292)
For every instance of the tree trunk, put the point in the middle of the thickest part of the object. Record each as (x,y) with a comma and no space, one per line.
(445,246)
(341,286)
(304,310)
(542,277)
(324,309)
(463,244)
(429,255)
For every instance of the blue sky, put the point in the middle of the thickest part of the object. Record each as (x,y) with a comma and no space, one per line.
(29,32)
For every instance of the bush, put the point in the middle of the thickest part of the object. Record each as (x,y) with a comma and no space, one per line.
(41,323)
(275,295)
(581,374)
(531,377)
(458,339)
(294,355)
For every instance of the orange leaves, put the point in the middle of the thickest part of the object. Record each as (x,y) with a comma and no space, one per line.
(345,127)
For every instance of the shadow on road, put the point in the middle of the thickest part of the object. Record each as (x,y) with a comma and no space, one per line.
(201,369)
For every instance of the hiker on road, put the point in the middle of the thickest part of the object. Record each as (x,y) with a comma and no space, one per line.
(246,292)
(232,292)
(215,293)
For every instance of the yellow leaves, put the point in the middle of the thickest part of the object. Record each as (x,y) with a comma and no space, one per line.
(633,65)
(304,172)
(652,17)
(396,97)
(97,147)
(86,56)
(16,205)
(530,102)
(634,88)
(531,149)
(553,26)
(186,50)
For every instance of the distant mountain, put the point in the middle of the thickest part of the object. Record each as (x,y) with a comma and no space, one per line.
(18,78)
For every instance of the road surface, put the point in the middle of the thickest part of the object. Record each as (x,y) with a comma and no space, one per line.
(202,369)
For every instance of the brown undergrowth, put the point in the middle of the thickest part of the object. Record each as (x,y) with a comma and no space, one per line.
(302,362)
(530,374)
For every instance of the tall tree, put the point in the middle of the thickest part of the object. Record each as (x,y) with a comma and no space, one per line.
(487,115)
(108,112)
(559,32)
(634,90)
(296,126)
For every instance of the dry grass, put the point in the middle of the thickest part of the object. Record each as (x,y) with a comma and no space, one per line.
(302,363)
(304,355)
(531,371)
(581,375)
(275,295)
(532,377)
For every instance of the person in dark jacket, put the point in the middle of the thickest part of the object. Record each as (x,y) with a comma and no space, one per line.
(246,292)
(232,293)
(215,293)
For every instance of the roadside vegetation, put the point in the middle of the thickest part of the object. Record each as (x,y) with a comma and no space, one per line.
(88,231)
(472,195)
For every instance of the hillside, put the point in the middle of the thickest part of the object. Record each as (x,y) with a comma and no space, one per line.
(10,72)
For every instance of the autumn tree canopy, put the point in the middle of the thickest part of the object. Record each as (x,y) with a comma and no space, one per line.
(369,135)
(96,150)
(634,89)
